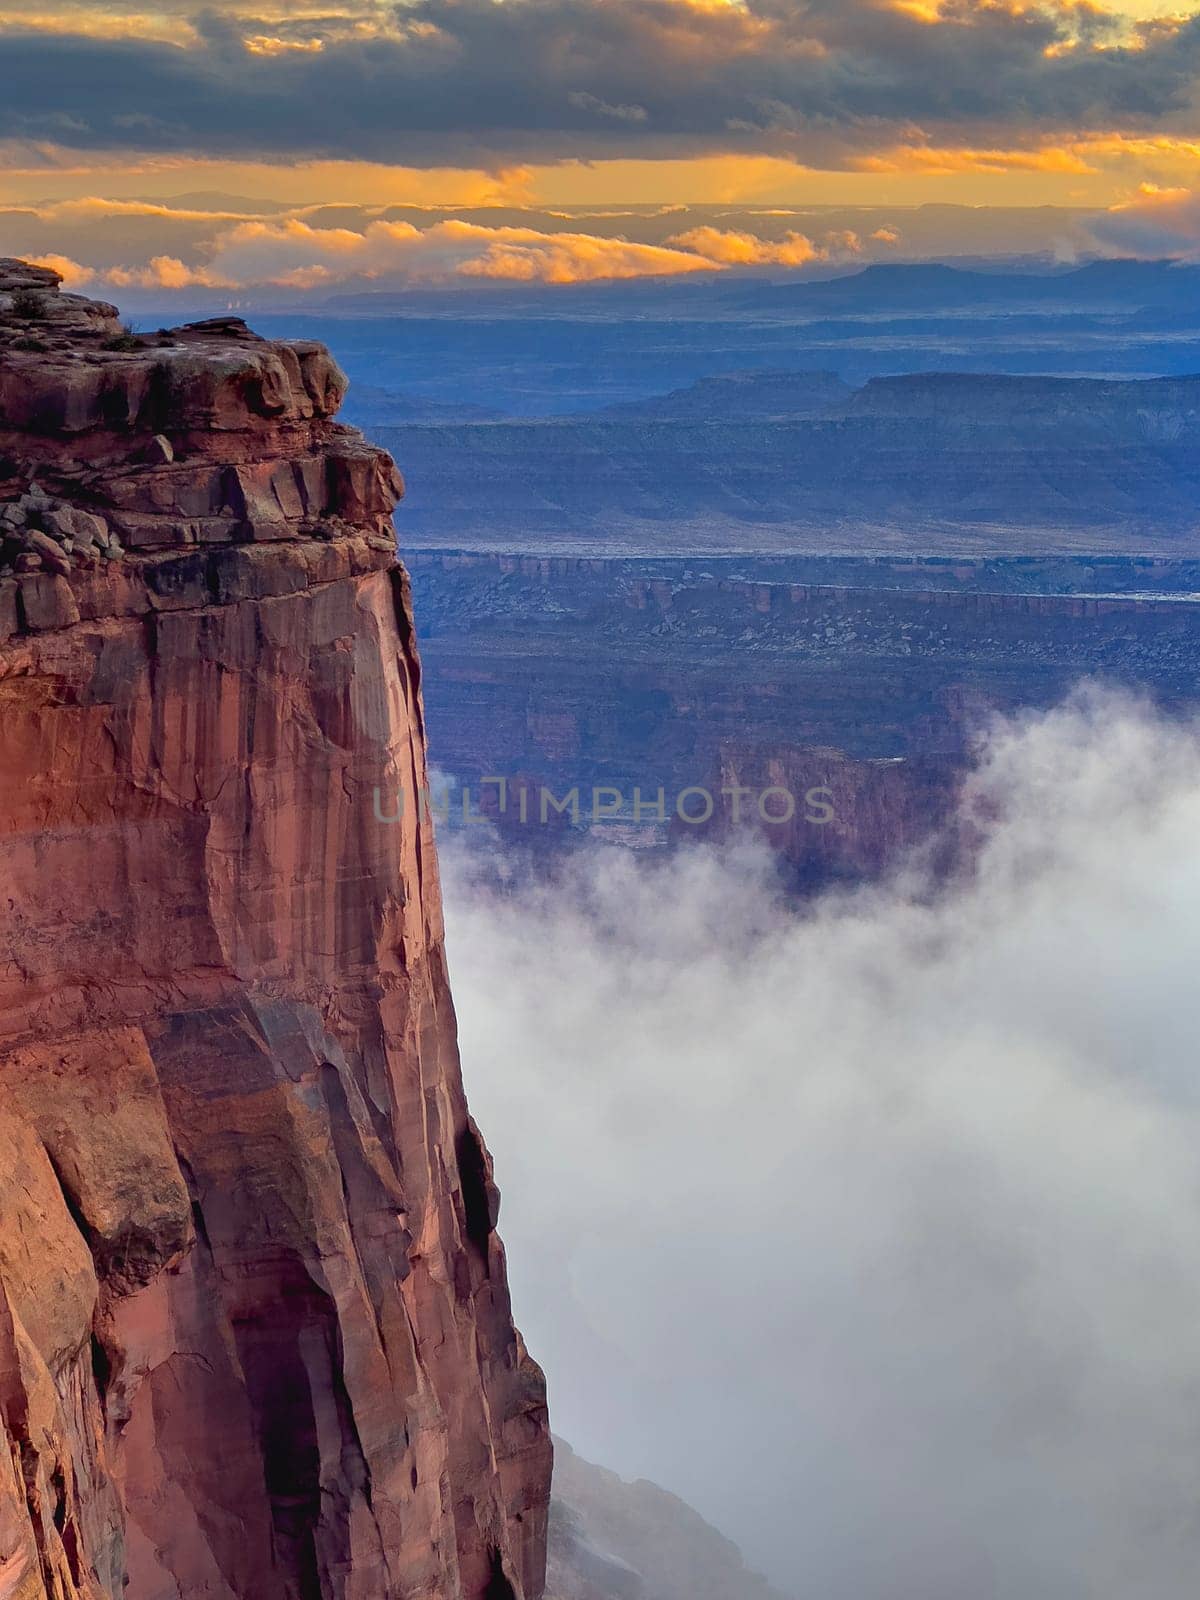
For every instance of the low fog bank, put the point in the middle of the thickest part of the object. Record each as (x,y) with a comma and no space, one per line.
(874,1230)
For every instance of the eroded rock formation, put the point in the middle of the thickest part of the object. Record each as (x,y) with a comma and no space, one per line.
(255,1334)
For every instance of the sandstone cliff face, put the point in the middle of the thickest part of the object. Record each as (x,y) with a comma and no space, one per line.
(255,1335)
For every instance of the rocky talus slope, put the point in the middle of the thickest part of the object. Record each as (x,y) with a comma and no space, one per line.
(255,1334)
(615,1540)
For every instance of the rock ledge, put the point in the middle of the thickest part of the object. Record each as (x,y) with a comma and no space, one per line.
(115,443)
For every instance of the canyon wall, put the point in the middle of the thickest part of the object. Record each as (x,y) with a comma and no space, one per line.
(926,462)
(869,678)
(255,1333)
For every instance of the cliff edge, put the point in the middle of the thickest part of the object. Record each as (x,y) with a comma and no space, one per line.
(255,1333)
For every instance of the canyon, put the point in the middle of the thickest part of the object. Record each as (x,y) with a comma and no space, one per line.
(770,535)
(255,1330)
(256,1336)
(773,463)
(871,678)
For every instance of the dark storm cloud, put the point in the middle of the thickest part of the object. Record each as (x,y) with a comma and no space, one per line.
(474,82)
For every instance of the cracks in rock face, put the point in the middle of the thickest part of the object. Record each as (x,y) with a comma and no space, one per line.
(281,1397)
(478,1192)
(102,1373)
(15,1421)
(64,1522)
(290,1351)
(499,1587)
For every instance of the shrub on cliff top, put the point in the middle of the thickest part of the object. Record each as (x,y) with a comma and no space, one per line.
(28,305)
(127,339)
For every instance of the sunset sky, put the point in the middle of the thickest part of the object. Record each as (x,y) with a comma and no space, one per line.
(534,105)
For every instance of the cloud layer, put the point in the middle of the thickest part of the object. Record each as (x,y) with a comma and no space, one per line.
(875,1229)
(225,248)
(1159,222)
(295,253)
(119,246)
(473,82)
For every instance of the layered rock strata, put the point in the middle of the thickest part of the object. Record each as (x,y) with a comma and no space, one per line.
(255,1333)
(871,678)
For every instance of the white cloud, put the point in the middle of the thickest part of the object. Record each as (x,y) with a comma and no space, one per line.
(874,1228)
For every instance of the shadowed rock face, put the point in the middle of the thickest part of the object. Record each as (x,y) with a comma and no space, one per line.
(255,1334)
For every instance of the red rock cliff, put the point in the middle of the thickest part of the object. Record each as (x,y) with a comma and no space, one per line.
(255,1336)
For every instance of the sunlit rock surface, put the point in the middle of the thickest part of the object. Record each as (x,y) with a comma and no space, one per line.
(255,1335)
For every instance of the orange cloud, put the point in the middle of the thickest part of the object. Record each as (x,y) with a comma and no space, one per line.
(929,11)
(266,44)
(46,175)
(160,272)
(92,208)
(166,272)
(735,249)
(103,23)
(933,160)
(524,255)
(73,274)
(291,253)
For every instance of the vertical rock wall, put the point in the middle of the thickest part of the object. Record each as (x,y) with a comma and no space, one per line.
(255,1334)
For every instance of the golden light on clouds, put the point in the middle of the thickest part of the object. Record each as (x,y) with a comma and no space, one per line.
(290,253)
(911,159)
(1150,10)
(262,44)
(1099,169)
(23,179)
(606,102)
(929,11)
(97,24)
(294,27)
(734,247)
